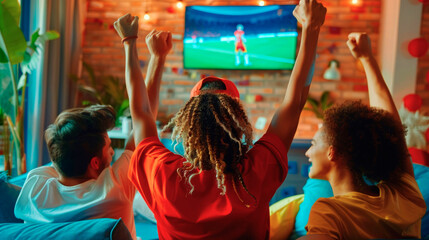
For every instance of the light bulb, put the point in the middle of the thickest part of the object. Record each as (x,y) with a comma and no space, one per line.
(355,2)
(146,16)
(179,4)
(261,3)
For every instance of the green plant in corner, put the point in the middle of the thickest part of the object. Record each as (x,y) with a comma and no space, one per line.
(101,89)
(16,55)
(319,106)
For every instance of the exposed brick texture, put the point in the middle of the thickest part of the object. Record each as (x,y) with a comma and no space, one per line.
(103,50)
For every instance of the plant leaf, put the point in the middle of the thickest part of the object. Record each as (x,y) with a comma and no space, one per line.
(36,47)
(13,7)
(7,93)
(3,57)
(324,100)
(315,108)
(22,81)
(12,40)
(91,74)
(51,35)
(90,90)
(124,105)
(34,38)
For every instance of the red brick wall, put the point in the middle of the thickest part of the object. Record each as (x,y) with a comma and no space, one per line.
(422,84)
(103,50)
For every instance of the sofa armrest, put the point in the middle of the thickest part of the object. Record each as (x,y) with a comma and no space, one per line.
(94,229)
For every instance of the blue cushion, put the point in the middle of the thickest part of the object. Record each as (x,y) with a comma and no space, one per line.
(9,194)
(95,229)
(313,190)
(422,178)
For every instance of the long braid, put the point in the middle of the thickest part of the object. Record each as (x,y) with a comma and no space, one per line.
(219,166)
(225,128)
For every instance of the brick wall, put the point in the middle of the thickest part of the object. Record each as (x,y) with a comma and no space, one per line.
(422,84)
(103,50)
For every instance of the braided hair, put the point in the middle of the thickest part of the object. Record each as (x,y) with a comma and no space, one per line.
(215,133)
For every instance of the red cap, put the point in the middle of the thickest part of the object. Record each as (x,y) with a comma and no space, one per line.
(231,89)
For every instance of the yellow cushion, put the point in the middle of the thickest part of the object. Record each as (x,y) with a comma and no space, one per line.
(282,216)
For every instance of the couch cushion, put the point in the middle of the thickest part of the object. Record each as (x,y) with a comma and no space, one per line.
(282,216)
(9,194)
(422,178)
(313,190)
(94,229)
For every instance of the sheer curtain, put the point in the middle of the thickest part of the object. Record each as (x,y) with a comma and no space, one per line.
(50,88)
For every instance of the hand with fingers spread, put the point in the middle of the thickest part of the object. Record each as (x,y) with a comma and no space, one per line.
(159,43)
(310,13)
(359,45)
(127,26)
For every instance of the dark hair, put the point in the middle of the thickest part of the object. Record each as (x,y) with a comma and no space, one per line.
(370,140)
(213,85)
(77,136)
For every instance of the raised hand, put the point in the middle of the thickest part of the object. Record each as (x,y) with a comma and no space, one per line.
(359,45)
(159,42)
(310,13)
(127,26)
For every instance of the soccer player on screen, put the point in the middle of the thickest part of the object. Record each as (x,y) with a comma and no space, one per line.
(240,48)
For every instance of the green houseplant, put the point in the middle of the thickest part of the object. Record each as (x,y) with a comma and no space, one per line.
(320,105)
(17,55)
(103,89)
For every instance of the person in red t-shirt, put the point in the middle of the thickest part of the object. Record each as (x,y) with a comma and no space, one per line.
(240,48)
(218,188)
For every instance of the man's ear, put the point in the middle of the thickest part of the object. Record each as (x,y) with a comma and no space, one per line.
(331,153)
(95,163)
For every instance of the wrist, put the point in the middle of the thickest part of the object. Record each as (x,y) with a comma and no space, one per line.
(129,38)
(158,57)
(311,29)
(367,58)
(129,42)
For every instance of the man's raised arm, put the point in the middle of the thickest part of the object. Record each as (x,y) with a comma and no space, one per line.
(140,106)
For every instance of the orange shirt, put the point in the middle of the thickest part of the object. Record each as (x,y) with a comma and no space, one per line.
(205,214)
(395,213)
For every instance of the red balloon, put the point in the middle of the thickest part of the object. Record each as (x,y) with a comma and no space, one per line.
(412,102)
(418,47)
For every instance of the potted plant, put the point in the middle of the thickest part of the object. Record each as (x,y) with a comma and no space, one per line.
(17,55)
(101,89)
(319,106)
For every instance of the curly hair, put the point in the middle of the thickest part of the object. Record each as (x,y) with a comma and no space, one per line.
(370,140)
(212,127)
(76,136)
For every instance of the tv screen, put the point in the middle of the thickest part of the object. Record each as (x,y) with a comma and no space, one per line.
(240,37)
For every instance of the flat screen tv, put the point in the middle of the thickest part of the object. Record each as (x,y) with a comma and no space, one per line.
(240,37)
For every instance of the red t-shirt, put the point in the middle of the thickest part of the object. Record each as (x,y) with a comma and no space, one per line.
(238,34)
(205,214)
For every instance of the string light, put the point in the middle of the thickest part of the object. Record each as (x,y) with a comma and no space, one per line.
(261,3)
(355,2)
(179,4)
(146,16)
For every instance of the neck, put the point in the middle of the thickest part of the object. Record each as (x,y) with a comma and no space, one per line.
(73,181)
(342,182)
